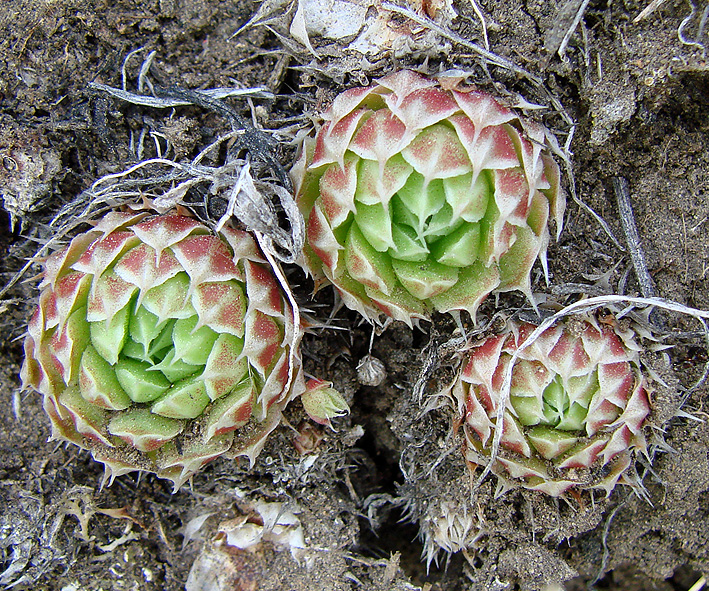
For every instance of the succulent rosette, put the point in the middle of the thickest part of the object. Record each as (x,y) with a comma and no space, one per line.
(419,198)
(576,408)
(160,346)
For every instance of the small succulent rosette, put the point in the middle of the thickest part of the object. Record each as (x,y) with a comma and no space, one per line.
(419,198)
(575,413)
(160,346)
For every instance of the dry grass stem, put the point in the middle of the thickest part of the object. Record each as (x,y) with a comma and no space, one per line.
(483,23)
(681,31)
(648,10)
(567,20)
(167,102)
(632,238)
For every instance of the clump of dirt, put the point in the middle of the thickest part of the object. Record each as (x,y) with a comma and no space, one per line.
(635,95)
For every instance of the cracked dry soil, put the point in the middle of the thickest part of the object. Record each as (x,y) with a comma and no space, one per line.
(640,100)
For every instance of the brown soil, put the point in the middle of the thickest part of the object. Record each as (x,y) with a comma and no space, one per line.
(640,101)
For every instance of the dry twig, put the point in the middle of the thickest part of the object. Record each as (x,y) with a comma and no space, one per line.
(632,238)
(567,20)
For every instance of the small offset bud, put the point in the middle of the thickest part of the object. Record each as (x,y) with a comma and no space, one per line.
(322,402)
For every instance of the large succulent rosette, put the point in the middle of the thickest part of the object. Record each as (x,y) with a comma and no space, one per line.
(576,408)
(418,198)
(160,346)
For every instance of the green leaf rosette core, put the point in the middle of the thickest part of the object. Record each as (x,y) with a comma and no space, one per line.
(576,409)
(418,198)
(160,346)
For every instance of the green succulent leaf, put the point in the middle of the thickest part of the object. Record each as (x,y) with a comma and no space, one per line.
(109,336)
(185,399)
(459,248)
(425,280)
(138,381)
(192,344)
(99,384)
(408,245)
(144,430)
